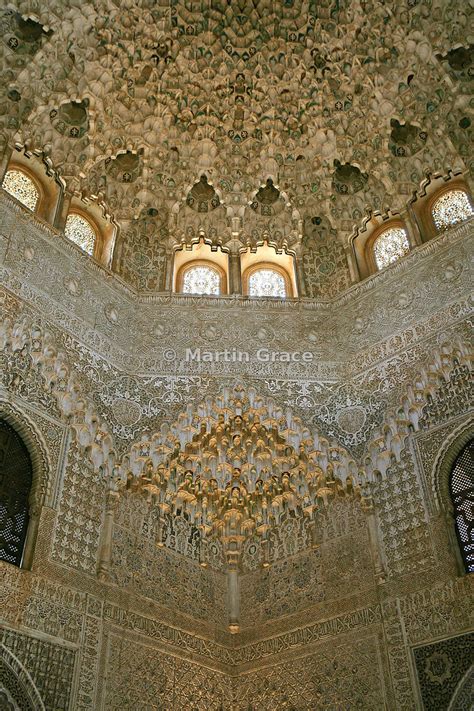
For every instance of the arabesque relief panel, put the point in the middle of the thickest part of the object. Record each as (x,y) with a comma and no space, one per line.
(127,586)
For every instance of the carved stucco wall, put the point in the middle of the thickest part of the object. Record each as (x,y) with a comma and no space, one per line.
(327,627)
(344,674)
(341,565)
(141,567)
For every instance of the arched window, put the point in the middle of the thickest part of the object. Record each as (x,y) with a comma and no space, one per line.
(80,231)
(390,246)
(22,188)
(462,493)
(449,209)
(267,282)
(15,483)
(201,279)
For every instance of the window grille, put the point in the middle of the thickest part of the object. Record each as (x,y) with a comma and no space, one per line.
(390,246)
(451,208)
(80,231)
(22,188)
(462,495)
(267,282)
(15,485)
(201,279)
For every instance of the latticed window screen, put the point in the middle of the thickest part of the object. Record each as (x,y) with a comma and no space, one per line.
(21,187)
(390,246)
(201,280)
(80,231)
(267,282)
(462,494)
(15,485)
(451,208)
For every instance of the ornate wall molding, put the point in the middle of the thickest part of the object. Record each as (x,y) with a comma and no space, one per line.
(57,240)
(92,306)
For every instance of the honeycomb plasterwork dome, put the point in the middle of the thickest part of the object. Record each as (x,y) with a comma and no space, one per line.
(125,167)
(202,197)
(124,96)
(71,119)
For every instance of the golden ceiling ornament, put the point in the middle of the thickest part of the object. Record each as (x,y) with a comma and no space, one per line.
(238,467)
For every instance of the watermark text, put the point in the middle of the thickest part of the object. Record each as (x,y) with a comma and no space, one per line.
(233,355)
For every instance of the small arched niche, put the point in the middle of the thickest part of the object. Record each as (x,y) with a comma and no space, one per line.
(88,226)
(265,272)
(444,203)
(382,241)
(200,270)
(31,181)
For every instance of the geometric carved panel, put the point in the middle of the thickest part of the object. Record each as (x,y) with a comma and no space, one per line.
(169,578)
(402,518)
(141,567)
(140,677)
(344,676)
(440,667)
(453,397)
(340,565)
(17,691)
(76,535)
(282,589)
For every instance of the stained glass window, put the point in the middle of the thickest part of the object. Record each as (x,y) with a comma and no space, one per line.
(462,494)
(451,208)
(80,231)
(201,279)
(267,282)
(21,187)
(390,246)
(15,484)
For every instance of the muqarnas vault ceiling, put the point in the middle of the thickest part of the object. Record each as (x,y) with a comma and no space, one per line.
(343,105)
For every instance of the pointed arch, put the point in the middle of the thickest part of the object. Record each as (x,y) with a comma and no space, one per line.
(36,445)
